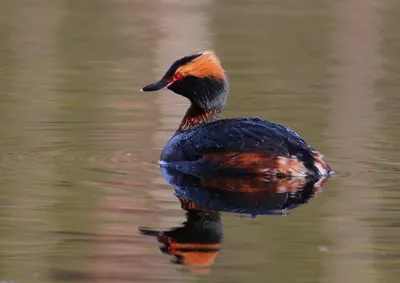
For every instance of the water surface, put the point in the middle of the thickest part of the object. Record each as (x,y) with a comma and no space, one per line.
(79,142)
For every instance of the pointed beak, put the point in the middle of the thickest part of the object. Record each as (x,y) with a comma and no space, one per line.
(156,86)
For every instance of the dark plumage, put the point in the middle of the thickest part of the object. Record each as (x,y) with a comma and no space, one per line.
(240,136)
(246,145)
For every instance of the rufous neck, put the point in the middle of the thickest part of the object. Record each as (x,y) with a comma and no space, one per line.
(195,116)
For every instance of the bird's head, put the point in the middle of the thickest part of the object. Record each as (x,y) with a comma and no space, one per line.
(199,77)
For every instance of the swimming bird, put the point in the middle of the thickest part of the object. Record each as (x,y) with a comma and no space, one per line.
(204,142)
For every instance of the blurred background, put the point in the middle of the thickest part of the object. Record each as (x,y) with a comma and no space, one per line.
(79,143)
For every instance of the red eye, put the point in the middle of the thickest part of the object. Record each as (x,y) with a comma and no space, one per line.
(178,76)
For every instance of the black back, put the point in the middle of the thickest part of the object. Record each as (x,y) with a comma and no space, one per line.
(237,135)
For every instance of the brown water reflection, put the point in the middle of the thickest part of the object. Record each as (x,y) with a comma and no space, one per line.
(197,241)
(79,142)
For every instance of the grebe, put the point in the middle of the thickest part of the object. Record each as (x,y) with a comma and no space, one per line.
(203,141)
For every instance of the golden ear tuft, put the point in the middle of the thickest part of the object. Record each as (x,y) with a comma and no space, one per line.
(206,65)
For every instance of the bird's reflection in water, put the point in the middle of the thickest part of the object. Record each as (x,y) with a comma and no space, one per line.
(197,242)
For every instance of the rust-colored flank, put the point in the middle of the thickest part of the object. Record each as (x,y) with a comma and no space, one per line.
(258,163)
(253,162)
(206,65)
